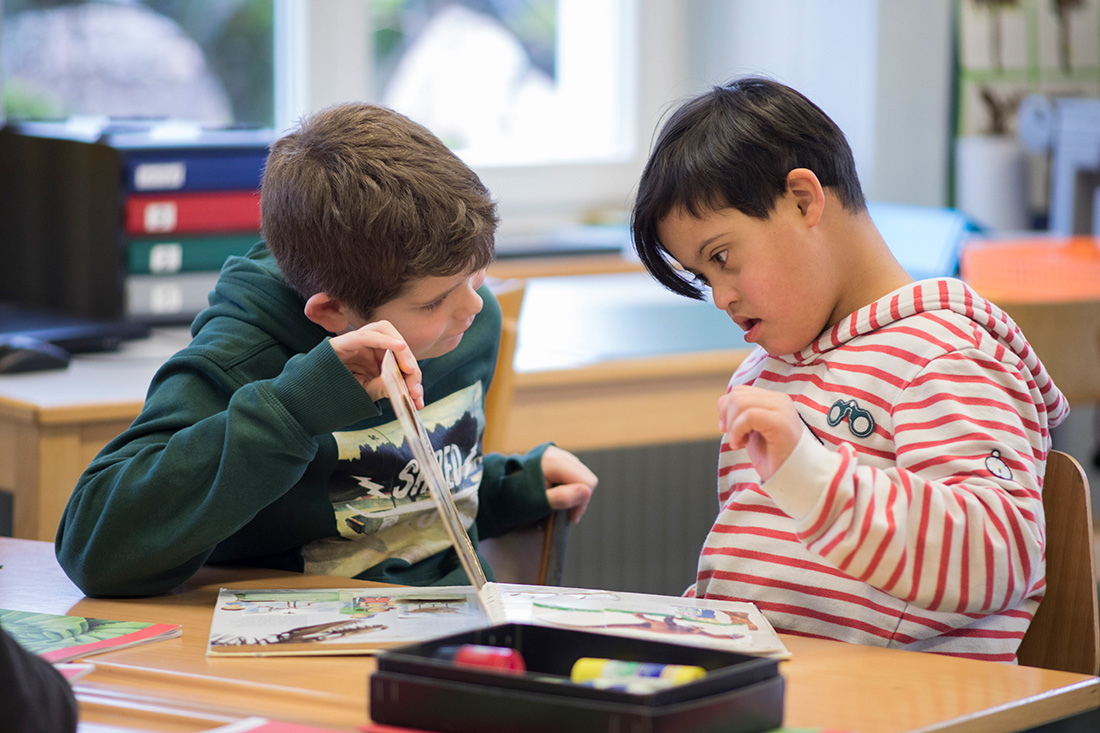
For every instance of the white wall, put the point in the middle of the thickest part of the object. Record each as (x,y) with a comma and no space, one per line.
(914,86)
(880,68)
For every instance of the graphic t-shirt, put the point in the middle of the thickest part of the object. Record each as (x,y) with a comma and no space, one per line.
(379,494)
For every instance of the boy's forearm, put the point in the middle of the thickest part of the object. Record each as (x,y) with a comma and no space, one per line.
(144,518)
(149,511)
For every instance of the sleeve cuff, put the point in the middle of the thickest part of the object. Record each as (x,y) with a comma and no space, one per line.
(800,484)
(319,391)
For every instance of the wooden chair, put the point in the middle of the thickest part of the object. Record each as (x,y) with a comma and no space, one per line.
(1065,633)
(531,555)
(498,400)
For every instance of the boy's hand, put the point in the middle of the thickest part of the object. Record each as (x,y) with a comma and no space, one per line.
(569,483)
(763,422)
(362,350)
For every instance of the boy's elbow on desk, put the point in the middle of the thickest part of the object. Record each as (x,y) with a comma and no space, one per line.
(116,576)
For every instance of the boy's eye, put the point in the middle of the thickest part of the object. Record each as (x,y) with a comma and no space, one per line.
(719,257)
(701,279)
(434,304)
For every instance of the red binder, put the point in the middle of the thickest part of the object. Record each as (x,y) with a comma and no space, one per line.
(212,211)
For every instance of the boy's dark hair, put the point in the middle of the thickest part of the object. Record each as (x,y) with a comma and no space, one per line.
(733,147)
(361,201)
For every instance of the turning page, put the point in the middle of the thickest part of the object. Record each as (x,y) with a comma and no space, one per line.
(417,436)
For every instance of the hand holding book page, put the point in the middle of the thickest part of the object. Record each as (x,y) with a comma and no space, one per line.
(433,475)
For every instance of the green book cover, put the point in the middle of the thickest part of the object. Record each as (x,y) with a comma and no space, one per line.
(59,638)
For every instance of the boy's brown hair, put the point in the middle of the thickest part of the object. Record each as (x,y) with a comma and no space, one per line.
(360,201)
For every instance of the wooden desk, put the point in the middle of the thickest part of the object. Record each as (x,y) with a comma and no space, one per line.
(829,684)
(1051,287)
(53,423)
(609,361)
(603,361)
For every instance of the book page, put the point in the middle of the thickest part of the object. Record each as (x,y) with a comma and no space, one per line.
(276,622)
(417,436)
(726,625)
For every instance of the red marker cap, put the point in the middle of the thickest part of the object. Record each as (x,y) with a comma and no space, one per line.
(501,658)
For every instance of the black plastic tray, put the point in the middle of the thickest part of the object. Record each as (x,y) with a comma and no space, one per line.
(740,693)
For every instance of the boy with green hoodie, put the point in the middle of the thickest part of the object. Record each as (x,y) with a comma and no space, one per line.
(267,440)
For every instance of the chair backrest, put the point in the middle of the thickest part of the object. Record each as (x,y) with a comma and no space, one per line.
(532,555)
(1065,633)
(498,400)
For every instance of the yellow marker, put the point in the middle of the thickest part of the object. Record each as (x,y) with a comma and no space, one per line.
(590,668)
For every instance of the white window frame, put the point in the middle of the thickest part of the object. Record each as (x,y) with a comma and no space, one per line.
(323,57)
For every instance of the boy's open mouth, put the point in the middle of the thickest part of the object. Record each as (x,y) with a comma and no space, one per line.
(745,324)
(748,325)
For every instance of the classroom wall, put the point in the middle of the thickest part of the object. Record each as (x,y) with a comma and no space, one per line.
(651,513)
(881,68)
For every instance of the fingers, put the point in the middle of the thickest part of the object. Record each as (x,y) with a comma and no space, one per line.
(744,407)
(750,421)
(416,389)
(410,369)
(362,351)
(377,336)
(569,482)
(574,497)
(763,421)
(562,467)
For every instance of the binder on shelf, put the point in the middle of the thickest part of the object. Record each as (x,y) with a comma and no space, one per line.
(165,155)
(197,169)
(168,298)
(66,188)
(193,212)
(167,255)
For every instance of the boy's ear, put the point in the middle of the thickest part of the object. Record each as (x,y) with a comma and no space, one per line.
(328,313)
(808,193)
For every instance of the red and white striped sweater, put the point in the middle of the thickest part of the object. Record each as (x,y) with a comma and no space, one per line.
(914,518)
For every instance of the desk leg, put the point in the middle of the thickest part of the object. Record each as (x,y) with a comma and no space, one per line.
(19,475)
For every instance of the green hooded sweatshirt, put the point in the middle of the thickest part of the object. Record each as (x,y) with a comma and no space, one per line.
(256,446)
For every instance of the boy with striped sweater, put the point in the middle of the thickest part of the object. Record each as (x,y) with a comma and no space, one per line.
(880,477)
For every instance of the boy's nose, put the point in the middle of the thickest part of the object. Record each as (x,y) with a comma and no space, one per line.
(473,303)
(723,297)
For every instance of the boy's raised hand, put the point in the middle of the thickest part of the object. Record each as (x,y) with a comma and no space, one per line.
(362,350)
(569,483)
(764,422)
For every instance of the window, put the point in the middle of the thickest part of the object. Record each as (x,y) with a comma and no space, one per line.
(541,97)
(196,59)
(504,83)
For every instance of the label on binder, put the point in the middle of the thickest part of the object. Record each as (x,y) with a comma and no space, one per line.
(169,176)
(160,216)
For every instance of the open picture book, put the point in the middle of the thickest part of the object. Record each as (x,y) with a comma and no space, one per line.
(275,622)
(365,620)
